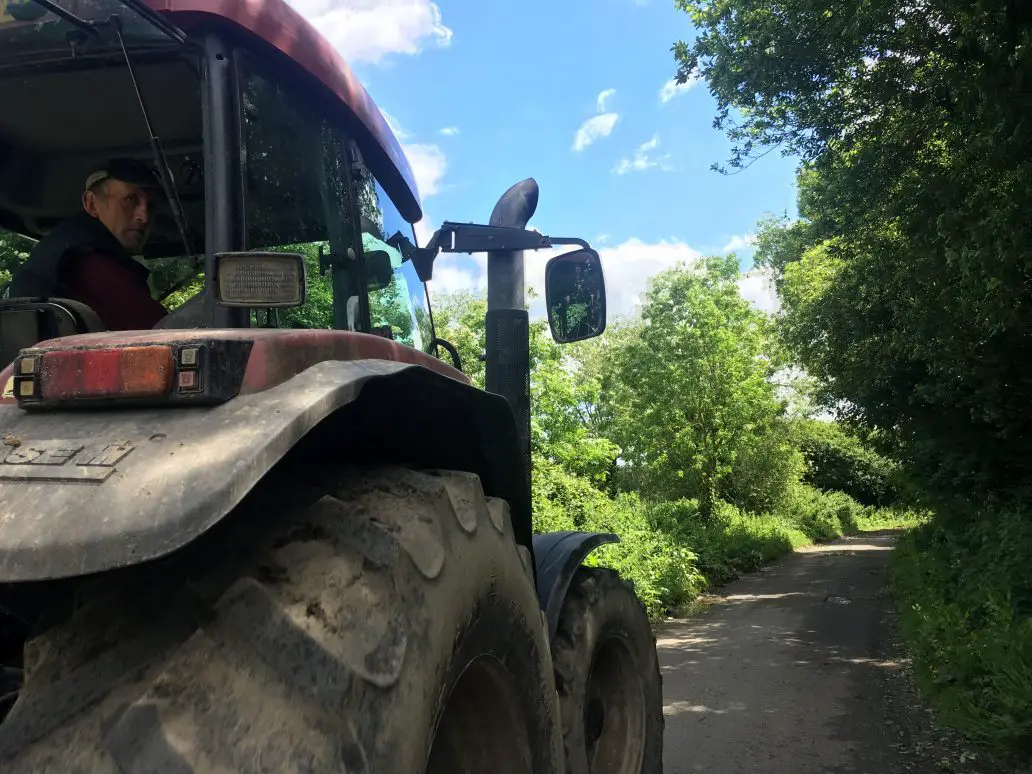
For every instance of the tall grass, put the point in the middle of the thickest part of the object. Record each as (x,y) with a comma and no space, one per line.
(963,585)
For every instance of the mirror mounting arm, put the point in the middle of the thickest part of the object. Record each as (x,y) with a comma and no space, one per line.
(422,257)
(476,238)
(569,241)
(472,238)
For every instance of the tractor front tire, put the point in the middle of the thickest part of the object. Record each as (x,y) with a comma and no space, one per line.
(608,680)
(385,624)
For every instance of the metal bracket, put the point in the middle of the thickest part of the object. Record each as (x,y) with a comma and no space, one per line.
(331,260)
(472,238)
(356,164)
(476,238)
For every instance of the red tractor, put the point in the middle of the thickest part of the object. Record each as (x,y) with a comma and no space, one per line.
(250,540)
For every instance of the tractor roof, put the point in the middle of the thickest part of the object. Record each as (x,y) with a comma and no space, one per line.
(282,27)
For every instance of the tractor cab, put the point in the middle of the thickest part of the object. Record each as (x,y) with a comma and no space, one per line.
(286,200)
(254,155)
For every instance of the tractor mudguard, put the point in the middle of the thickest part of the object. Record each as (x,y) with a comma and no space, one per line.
(557,555)
(88,490)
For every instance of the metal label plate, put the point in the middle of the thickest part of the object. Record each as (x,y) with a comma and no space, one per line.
(60,459)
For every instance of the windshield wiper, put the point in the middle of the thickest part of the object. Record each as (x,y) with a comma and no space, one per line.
(167,184)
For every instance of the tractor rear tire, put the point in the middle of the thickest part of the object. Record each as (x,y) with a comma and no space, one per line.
(608,679)
(386,624)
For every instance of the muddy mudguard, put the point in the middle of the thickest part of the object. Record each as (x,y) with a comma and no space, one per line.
(90,490)
(557,555)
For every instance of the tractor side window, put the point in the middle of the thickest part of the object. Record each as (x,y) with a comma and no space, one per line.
(296,193)
(396,296)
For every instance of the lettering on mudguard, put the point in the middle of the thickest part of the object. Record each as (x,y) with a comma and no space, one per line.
(61,460)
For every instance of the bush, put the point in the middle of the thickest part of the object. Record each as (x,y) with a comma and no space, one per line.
(668,549)
(729,543)
(821,516)
(663,571)
(891,518)
(965,598)
(838,462)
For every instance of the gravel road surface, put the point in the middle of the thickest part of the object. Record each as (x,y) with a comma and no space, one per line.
(782,674)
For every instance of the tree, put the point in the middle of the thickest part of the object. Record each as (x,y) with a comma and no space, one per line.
(694,408)
(839,462)
(564,394)
(905,282)
(461,318)
(388,306)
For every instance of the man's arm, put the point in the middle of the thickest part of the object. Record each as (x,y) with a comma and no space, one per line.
(119,297)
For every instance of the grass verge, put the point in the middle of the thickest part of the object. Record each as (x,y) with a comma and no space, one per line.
(671,553)
(963,589)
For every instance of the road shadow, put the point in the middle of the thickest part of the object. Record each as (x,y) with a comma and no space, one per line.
(779,674)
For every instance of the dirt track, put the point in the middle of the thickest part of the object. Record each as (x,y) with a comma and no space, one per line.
(783,675)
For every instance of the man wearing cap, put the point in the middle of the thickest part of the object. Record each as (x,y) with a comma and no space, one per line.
(88,258)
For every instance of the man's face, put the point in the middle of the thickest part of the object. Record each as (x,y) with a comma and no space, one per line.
(124,208)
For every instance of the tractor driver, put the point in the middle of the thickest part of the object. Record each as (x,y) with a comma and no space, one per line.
(89,257)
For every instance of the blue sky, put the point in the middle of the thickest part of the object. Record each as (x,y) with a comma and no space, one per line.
(484,93)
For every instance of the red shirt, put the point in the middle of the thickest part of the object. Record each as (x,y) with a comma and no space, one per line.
(119,297)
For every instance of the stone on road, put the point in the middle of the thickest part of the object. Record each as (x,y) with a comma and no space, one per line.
(781,675)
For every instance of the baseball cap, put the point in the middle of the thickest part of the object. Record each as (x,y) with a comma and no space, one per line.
(127,170)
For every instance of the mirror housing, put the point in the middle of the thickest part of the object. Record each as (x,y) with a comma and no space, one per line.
(575,296)
(379,271)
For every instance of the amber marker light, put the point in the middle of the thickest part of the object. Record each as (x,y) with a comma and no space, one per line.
(88,374)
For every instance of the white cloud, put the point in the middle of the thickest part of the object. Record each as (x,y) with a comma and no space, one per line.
(428,162)
(594,129)
(394,125)
(631,264)
(424,229)
(757,287)
(643,159)
(740,242)
(672,88)
(452,279)
(429,165)
(628,267)
(449,131)
(369,30)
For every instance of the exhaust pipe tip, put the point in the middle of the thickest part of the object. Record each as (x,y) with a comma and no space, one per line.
(516,206)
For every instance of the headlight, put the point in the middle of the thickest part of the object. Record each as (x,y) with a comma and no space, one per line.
(260,279)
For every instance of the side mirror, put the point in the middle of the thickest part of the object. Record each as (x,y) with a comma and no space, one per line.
(575,296)
(379,271)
